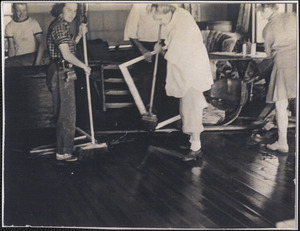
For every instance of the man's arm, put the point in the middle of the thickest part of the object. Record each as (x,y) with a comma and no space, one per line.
(11,47)
(40,51)
(146,53)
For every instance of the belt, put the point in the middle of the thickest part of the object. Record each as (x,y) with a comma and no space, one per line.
(62,63)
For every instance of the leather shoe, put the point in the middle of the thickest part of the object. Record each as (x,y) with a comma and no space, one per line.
(278,147)
(192,155)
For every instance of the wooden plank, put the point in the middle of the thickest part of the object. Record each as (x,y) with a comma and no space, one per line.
(111,67)
(129,80)
(242,163)
(114,80)
(250,217)
(118,105)
(244,194)
(135,60)
(151,197)
(172,130)
(136,203)
(192,193)
(121,183)
(231,173)
(116,92)
(134,92)
(224,190)
(168,121)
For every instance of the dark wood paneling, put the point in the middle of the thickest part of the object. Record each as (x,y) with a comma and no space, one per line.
(28,103)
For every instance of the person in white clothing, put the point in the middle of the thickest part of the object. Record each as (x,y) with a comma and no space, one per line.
(24,34)
(188,69)
(280,41)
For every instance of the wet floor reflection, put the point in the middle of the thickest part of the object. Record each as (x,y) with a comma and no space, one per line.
(148,185)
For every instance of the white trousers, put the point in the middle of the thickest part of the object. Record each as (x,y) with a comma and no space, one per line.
(191,111)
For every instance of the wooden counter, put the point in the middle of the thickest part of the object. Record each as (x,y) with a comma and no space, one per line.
(28,103)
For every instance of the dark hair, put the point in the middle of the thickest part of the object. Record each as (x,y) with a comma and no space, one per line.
(57,9)
(269,5)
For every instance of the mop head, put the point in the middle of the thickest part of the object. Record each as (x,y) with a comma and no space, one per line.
(150,121)
(91,151)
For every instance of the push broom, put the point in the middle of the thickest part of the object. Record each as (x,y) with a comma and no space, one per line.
(149,119)
(93,148)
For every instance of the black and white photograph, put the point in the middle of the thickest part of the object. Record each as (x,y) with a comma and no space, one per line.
(150,115)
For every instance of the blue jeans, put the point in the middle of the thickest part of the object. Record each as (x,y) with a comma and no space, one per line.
(64,105)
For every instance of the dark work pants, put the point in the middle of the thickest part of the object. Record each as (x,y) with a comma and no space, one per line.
(163,106)
(144,75)
(63,94)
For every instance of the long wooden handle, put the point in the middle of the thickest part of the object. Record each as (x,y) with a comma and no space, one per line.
(168,121)
(132,87)
(154,73)
(87,77)
(135,60)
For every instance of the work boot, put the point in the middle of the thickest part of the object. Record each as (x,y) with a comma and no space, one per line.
(66,157)
(192,155)
(278,147)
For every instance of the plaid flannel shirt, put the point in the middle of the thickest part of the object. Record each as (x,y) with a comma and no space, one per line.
(59,33)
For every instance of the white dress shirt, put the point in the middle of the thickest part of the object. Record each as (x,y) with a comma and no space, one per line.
(141,25)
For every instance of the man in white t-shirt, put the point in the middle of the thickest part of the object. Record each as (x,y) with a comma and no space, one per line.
(24,35)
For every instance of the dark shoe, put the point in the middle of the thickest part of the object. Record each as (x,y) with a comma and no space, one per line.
(66,157)
(192,155)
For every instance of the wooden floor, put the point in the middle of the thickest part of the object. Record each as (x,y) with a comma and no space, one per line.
(142,183)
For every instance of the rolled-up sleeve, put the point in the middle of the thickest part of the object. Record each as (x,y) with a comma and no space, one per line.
(8,32)
(36,28)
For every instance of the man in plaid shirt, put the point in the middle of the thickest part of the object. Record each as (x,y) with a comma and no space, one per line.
(60,78)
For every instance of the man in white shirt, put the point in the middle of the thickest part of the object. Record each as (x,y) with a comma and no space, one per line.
(142,30)
(24,35)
